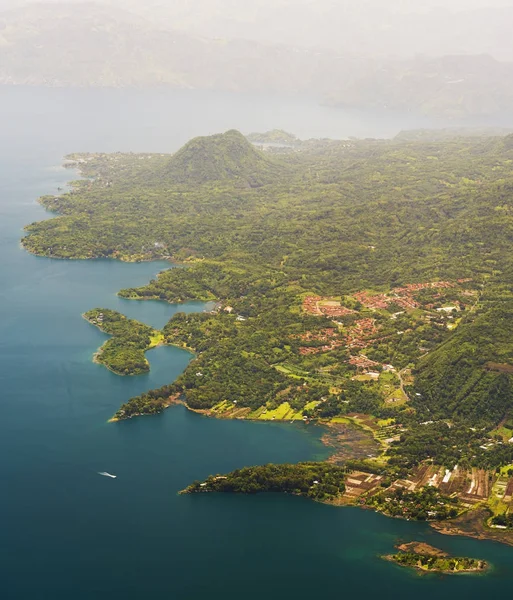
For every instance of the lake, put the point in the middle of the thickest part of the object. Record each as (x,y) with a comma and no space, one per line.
(68,533)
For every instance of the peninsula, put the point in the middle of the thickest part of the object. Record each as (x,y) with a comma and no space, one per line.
(123,354)
(364,282)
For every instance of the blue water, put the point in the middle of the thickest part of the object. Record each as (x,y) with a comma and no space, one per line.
(68,533)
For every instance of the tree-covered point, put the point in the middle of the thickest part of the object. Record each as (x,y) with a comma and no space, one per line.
(320,481)
(149,403)
(124,352)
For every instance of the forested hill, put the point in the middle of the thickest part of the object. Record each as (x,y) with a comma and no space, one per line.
(343,216)
(221,157)
(354,277)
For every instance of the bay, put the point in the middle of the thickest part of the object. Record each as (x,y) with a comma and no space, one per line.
(66,532)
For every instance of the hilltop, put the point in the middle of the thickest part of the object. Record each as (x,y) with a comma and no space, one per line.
(226,156)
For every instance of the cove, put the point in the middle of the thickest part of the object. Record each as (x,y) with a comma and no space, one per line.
(68,532)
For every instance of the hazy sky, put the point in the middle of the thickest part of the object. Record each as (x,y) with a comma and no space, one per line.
(248,6)
(388,28)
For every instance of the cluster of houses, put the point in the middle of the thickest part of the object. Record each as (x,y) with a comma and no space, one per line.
(316,305)
(329,336)
(363,332)
(402,296)
(362,362)
(360,334)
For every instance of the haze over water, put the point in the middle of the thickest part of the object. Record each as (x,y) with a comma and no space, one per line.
(68,532)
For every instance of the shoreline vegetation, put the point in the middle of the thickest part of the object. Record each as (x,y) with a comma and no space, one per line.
(319,481)
(349,289)
(427,559)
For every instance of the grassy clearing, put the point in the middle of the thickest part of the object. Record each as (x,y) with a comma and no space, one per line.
(278,414)
(454,324)
(285,371)
(291,370)
(363,378)
(505,433)
(156,338)
(257,413)
(505,469)
(222,407)
(397,398)
(388,378)
(385,422)
(497,505)
(284,412)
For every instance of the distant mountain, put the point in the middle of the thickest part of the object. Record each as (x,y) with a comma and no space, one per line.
(455,86)
(372,28)
(84,44)
(226,156)
(438,135)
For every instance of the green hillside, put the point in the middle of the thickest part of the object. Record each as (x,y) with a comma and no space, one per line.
(470,376)
(227,156)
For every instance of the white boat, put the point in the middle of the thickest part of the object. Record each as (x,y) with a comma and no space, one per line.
(105,474)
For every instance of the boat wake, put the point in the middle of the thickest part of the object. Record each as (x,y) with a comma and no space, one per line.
(105,474)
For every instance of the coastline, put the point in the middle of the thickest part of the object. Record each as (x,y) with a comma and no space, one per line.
(472,523)
(445,527)
(124,259)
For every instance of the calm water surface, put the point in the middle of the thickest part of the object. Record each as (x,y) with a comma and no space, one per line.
(66,532)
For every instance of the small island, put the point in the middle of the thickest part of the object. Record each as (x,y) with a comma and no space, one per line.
(124,353)
(424,558)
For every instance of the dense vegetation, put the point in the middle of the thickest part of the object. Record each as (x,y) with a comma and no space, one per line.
(124,352)
(149,403)
(260,234)
(223,157)
(427,504)
(320,481)
(440,564)
(469,376)
(503,520)
(448,445)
